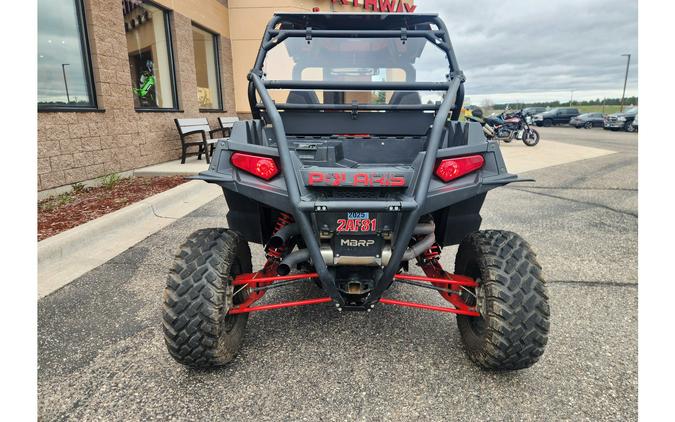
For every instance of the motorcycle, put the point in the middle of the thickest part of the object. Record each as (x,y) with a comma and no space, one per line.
(506,127)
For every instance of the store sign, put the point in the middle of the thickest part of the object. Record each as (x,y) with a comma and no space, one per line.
(384,6)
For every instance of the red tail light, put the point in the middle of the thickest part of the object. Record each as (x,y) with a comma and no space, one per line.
(451,168)
(263,167)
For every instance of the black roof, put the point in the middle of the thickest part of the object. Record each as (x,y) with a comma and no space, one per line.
(368,20)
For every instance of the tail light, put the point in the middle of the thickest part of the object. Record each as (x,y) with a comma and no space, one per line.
(263,167)
(451,168)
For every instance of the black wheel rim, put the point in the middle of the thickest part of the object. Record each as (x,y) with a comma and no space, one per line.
(471,297)
(229,321)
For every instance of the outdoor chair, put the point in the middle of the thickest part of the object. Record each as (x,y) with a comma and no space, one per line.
(188,127)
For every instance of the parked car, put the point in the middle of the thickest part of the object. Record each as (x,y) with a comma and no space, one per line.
(556,116)
(531,111)
(588,120)
(621,120)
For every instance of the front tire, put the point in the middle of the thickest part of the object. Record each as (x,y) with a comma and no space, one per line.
(531,137)
(548,123)
(197,330)
(588,125)
(512,331)
(630,128)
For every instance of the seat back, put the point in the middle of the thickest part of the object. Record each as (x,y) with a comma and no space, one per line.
(302,97)
(227,122)
(188,126)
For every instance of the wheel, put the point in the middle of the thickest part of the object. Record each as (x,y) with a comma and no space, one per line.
(198,294)
(548,122)
(577,127)
(629,127)
(512,331)
(588,125)
(530,137)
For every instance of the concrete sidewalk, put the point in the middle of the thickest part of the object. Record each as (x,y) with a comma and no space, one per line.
(191,167)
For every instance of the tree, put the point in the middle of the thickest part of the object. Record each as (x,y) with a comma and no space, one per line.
(487,104)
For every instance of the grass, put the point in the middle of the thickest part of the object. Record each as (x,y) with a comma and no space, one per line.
(608,109)
(56,201)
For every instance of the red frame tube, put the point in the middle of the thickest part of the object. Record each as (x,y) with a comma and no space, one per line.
(240,310)
(428,307)
(243,279)
(450,279)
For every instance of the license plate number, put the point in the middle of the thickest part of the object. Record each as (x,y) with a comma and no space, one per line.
(357,222)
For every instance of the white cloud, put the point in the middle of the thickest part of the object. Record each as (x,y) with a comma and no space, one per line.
(531,50)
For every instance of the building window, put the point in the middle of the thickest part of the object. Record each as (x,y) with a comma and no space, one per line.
(150,55)
(64,70)
(206,64)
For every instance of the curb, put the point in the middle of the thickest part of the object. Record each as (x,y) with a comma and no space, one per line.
(66,256)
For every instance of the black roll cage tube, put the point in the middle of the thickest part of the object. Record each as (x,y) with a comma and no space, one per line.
(412,212)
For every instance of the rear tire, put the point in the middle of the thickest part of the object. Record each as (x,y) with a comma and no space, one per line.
(197,330)
(512,331)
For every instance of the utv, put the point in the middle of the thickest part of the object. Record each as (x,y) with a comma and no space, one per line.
(353,166)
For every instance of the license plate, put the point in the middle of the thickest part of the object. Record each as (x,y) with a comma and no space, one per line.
(357,222)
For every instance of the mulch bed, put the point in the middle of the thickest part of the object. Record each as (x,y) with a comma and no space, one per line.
(65,211)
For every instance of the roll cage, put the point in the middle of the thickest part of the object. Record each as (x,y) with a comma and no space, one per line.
(347,25)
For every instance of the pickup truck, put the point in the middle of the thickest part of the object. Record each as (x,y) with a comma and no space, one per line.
(556,116)
(622,120)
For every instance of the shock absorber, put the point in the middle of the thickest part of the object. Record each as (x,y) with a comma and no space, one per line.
(432,254)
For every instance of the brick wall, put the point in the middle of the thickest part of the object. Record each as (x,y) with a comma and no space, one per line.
(77,146)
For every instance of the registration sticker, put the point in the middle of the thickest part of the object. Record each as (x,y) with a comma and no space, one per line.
(357,215)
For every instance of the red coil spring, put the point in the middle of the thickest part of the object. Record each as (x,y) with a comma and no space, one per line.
(283,220)
(434,252)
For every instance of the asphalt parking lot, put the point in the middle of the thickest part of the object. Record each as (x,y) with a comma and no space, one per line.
(102,357)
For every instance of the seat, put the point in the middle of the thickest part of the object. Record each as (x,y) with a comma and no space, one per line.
(302,97)
(187,127)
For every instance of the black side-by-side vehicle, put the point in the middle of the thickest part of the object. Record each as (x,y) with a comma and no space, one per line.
(353,167)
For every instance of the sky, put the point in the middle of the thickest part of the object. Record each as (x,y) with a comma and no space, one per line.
(542,50)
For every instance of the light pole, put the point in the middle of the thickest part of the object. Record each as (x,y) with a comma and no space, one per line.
(65,81)
(625,80)
(571,96)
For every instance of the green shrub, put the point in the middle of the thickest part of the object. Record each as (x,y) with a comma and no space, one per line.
(65,198)
(111,180)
